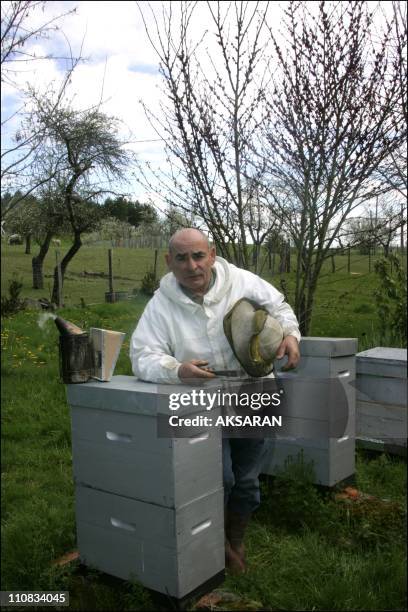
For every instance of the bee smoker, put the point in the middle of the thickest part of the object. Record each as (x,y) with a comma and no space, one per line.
(75,353)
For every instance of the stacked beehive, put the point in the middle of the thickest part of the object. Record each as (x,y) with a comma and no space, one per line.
(323,380)
(381,411)
(147,508)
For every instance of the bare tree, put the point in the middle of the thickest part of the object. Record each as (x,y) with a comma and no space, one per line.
(378,227)
(334,117)
(88,159)
(20,146)
(22,220)
(394,168)
(260,220)
(17,33)
(212,111)
(51,220)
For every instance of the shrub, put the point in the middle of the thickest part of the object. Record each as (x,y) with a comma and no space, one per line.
(149,283)
(294,501)
(363,308)
(391,298)
(12,304)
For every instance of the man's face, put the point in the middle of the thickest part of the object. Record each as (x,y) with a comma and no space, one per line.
(191,261)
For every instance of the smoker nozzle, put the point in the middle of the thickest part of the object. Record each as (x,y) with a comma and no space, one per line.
(67,328)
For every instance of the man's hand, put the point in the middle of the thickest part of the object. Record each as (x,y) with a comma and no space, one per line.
(194,369)
(289,347)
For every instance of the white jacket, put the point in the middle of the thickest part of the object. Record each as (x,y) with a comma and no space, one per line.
(173,328)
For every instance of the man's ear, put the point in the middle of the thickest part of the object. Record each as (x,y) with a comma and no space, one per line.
(168,259)
(213,253)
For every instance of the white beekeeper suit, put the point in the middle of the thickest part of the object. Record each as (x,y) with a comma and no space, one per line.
(174,329)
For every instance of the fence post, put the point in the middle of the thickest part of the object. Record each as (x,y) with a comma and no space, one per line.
(155,263)
(59,276)
(110,271)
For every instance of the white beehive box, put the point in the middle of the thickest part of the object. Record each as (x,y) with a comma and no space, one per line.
(322,360)
(381,409)
(147,508)
(172,551)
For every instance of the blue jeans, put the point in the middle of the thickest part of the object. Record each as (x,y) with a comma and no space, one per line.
(242,460)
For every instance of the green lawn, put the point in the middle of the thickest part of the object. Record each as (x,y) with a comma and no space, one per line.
(306,551)
(344,304)
(129,266)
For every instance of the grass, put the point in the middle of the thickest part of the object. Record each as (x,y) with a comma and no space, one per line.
(306,550)
(129,267)
(304,572)
(344,303)
(335,555)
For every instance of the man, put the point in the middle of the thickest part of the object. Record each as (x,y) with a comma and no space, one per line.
(180,337)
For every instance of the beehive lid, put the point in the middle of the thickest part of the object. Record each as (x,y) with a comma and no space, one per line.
(382,361)
(316,346)
(128,394)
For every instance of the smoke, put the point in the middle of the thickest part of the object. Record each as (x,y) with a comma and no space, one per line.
(44,317)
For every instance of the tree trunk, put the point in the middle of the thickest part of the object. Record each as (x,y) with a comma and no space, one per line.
(304,312)
(28,244)
(301,316)
(307,317)
(306,284)
(156,252)
(37,262)
(222,248)
(256,257)
(282,264)
(76,245)
(284,289)
(288,258)
(37,266)
(333,263)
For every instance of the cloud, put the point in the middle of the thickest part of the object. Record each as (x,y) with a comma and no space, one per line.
(120,67)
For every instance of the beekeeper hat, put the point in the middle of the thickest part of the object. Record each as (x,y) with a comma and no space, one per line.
(254,336)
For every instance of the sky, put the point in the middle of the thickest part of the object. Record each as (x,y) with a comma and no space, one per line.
(121,68)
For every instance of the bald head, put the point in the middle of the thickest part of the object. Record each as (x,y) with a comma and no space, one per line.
(187,234)
(191,258)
